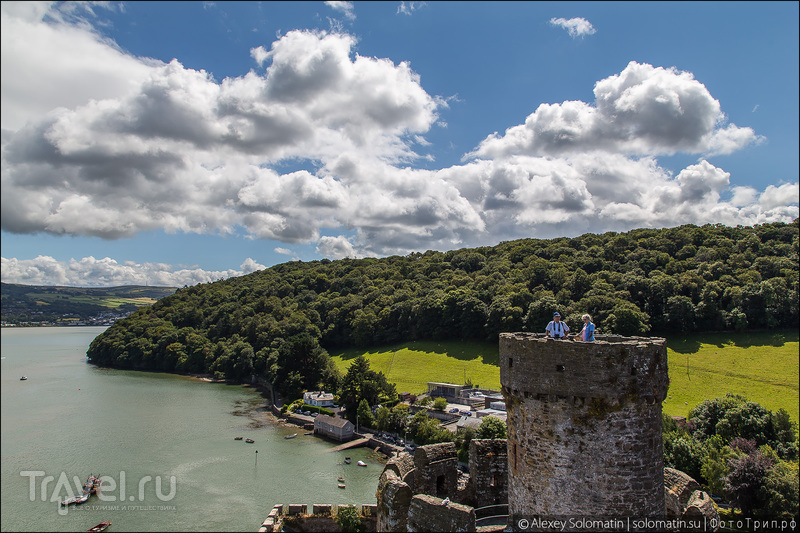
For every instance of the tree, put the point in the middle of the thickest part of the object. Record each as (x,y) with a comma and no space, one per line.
(780,491)
(683,452)
(362,383)
(462,443)
(745,480)
(440,404)
(398,417)
(492,428)
(382,418)
(364,414)
(627,319)
(680,313)
(716,464)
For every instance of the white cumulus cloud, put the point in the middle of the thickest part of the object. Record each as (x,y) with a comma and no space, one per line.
(107,272)
(147,146)
(577,27)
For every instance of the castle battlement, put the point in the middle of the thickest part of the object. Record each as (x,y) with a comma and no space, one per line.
(613,368)
(584,425)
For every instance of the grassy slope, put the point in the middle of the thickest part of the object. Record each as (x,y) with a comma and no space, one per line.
(763,367)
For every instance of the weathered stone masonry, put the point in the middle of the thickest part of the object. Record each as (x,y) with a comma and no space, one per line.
(584,425)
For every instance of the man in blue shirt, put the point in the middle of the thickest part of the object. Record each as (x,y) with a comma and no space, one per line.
(556,329)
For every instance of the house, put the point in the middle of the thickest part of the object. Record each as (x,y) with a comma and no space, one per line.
(334,428)
(318,398)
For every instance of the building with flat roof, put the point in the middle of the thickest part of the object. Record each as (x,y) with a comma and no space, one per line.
(444,390)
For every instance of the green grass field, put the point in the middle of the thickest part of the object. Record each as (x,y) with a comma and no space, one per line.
(412,365)
(761,366)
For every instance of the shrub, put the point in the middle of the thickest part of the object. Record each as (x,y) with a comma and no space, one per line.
(348,518)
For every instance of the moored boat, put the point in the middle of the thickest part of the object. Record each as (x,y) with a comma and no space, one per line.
(77,500)
(238,438)
(341,485)
(293,435)
(347,460)
(89,488)
(249,441)
(362,463)
(101,526)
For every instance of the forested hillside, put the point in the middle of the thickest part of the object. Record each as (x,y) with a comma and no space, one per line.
(279,321)
(33,304)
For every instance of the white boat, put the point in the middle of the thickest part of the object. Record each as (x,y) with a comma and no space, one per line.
(293,435)
(362,463)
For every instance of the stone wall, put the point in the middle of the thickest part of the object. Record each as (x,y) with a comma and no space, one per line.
(394,499)
(488,472)
(436,470)
(428,513)
(584,425)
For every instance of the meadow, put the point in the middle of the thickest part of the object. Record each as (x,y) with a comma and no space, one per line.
(762,366)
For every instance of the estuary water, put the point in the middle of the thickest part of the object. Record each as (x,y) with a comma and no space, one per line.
(163,443)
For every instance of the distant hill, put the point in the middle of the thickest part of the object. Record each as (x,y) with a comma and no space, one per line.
(57,305)
(280,322)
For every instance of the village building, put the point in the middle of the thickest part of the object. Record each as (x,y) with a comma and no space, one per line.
(318,398)
(334,428)
(444,390)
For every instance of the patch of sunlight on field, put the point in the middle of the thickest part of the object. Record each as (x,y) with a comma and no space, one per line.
(762,367)
(412,365)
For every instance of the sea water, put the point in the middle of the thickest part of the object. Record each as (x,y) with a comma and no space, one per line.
(163,443)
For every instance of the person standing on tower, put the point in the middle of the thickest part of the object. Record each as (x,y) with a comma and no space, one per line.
(556,328)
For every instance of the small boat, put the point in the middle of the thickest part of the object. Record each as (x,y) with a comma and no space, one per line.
(101,526)
(77,500)
(23,378)
(347,460)
(293,435)
(238,438)
(341,480)
(362,463)
(341,485)
(249,441)
(308,433)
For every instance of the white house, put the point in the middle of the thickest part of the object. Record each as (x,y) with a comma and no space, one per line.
(318,398)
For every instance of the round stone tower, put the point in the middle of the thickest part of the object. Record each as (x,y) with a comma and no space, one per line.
(584,425)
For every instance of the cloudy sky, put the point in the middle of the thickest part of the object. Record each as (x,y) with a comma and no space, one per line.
(172,143)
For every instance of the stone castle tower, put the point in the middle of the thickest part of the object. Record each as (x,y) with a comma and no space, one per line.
(584,425)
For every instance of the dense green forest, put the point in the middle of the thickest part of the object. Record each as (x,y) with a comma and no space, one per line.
(279,322)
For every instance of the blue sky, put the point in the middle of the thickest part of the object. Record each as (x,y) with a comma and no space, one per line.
(173,143)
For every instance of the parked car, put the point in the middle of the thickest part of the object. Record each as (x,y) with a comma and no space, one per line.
(454,410)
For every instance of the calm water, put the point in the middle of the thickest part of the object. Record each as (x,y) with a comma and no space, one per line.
(74,418)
